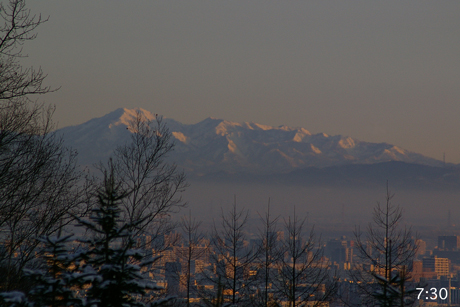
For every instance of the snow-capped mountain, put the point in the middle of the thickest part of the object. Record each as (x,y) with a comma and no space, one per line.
(214,145)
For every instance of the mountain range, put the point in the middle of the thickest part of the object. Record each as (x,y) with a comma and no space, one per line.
(217,147)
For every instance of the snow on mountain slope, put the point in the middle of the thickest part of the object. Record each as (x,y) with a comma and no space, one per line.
(214,145)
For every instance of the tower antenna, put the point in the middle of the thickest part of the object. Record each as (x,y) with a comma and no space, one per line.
(448,219)
(342,213)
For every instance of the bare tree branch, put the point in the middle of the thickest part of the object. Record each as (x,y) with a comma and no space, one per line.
(303,272)
(385,250)
(154,184)
(18,26)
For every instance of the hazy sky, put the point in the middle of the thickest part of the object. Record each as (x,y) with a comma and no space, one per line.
(379,71)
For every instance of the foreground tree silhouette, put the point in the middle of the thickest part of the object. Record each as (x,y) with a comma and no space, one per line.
(268,255)
(105,271)
(39,189)
(386,252)
(154,184)
(232,258)
(18,26)
(195,247)
(53,285)
(39,194)
(112,266)
(302,273)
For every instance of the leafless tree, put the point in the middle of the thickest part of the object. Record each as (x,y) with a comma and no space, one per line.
(195,248)
(38,178)
(154,183)
(303,273)
(233,257)
(268,255)
(39,184)
(18,26)
(386,251)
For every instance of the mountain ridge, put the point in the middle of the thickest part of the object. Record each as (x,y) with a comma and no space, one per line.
(213,145)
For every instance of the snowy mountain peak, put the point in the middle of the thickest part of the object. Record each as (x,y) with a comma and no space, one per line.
(214,145)
(124,116)
(255,126)
(347,142)
(226,127)
(131,114)
(121,116)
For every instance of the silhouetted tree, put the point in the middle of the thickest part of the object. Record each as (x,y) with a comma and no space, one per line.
(17,26)
(154,184)
(268,255)
(39,194)
(105,271)
(233,257)
(54,284)
(194,248)
(303,272)
(112,264)
(38,178)
(386,252)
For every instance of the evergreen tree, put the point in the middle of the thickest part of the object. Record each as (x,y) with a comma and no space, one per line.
(53,284)
(106,272)
(112,265)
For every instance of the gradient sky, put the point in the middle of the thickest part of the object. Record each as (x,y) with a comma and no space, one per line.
(379,71)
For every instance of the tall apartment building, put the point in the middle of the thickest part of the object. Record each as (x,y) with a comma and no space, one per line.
(441,266)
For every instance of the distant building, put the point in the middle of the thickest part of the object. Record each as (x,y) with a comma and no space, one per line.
(448,247)
(421,247)
(441,266)
(449,243)
(172,276)
(338,251)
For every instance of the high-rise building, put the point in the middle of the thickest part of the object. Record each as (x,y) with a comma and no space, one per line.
(450,243)
(441,266)
(338,251)
(172,276)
